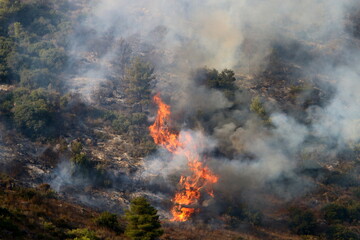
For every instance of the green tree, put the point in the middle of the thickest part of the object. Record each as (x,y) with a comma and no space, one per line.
(6,45)
(110,221)
(257,107)
(339,232)
(335,213)
(143,221)
(137,84)
(223,81)
(34,111)
(36,78)
(302,222)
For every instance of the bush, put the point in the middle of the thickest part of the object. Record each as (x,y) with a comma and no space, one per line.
(335,213)
(109,221)
(338,232)
(223,81)
(34,112)
(257,107)
(254,217)
(76,147)
(6,102)
(82,234)
(302,222)
(36,78)
(354,213)
(121,124)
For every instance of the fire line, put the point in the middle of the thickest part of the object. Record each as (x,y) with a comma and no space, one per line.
(201,176)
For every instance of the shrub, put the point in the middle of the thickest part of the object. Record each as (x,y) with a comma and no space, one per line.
(354,212)
(335,213)
(302,222)
(338,232)
(254,217)
(34,112)
(82,234)
(6,223)
(36,78)
(121,124)
(76,147)
(257,107)
(109,221)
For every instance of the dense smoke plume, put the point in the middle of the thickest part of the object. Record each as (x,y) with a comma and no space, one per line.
(178,37)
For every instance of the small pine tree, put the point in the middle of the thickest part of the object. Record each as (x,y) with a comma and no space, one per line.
(143,221)
(137,84)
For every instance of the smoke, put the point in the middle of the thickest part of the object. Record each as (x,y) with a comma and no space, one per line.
(180,36)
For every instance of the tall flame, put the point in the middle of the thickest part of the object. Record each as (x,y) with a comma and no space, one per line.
(201,176)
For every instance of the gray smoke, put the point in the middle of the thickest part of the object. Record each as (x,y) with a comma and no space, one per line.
(180,36)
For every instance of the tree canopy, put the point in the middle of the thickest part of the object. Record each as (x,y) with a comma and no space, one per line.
(143,221)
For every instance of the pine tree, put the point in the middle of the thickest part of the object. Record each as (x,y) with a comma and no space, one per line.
(137,84)
(143,221)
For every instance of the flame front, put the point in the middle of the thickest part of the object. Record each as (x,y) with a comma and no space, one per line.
(201,176)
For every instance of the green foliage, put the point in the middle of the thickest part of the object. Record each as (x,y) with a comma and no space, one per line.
(7,223)
(6,102)
(223,81)
(6,46)
(82,234)
(137,84)
(143,221)
(257,107)
(32,42)
(122,123)
(110,221)
(254,217)
(341,179)
(339,232)
(83,167)
(53,58)
(38,78)
(34,112)
(76,147)
(80,160)
(354,212)
(335,213)
(302,222)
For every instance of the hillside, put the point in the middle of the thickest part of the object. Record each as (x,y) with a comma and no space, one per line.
(233,120)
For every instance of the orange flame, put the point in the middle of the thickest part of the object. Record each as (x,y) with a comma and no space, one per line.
(201,176)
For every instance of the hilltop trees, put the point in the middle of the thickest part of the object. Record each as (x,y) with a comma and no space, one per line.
(143,221)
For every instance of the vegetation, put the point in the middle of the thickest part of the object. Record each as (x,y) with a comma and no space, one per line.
(302,222)
(110,221)
(143,221)
(223,81)
(137,84)
(37,112)
(335,213)
(339,232)
(257,107)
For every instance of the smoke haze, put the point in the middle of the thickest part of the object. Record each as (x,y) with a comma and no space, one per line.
(178,37)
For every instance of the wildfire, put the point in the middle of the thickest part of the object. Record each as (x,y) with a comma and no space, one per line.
(201,176)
